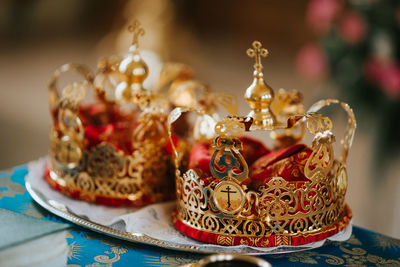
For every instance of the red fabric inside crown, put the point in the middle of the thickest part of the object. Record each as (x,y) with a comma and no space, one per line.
(288,163)
(108,123)
(264,164)
(200,156)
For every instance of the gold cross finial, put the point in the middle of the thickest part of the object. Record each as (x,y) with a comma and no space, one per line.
(137,32)
(257,52)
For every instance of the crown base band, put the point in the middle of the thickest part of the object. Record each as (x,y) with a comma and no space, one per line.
(273,240)
(137,199)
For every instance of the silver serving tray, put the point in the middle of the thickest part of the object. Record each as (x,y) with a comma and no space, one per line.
(62,211)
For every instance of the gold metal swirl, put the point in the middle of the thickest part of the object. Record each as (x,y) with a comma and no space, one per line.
(286,104)
(227,162)
(320,161)
(104,172)
(75,92)
(317,123)
(278,208)
(69,148)
(230,127)
(70,123)
(351,126)
(81,69)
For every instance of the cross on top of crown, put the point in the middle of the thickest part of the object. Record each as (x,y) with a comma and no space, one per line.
(137,31)
(257,52)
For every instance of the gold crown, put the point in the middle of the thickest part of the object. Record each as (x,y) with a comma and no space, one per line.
(292,200)
(114,151)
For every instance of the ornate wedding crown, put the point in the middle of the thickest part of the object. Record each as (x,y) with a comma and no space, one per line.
(236,191)
(116,150)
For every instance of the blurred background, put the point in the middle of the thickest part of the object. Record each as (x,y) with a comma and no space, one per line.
(323,48)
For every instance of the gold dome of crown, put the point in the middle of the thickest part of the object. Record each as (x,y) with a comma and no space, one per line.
(259,95)
(134,67)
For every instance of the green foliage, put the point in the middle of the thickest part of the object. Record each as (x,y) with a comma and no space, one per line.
(376,110)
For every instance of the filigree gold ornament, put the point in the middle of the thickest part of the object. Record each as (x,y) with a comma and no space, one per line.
(114,151)
(54,95)
(152,129)
(69,150)
(107,78)
(227,209)
(227,162)
(196,96)
(286,104)
(70,123)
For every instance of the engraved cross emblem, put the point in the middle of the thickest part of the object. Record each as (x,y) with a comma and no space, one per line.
(69,152)
(257,52)
(229,192)
(137,31)
(229,197)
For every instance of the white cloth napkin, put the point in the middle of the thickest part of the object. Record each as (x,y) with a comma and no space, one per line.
(153,220)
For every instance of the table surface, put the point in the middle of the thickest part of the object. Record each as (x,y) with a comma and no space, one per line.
(364,248)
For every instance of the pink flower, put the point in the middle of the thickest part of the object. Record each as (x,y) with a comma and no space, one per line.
(321,13)
(385,74)
(373,70)
(391,82)
(352,27)
(311,62)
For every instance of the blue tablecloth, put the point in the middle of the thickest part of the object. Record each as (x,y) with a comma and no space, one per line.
(364,248)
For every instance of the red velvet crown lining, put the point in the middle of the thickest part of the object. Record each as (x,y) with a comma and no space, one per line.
(264,164)
(108,123)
